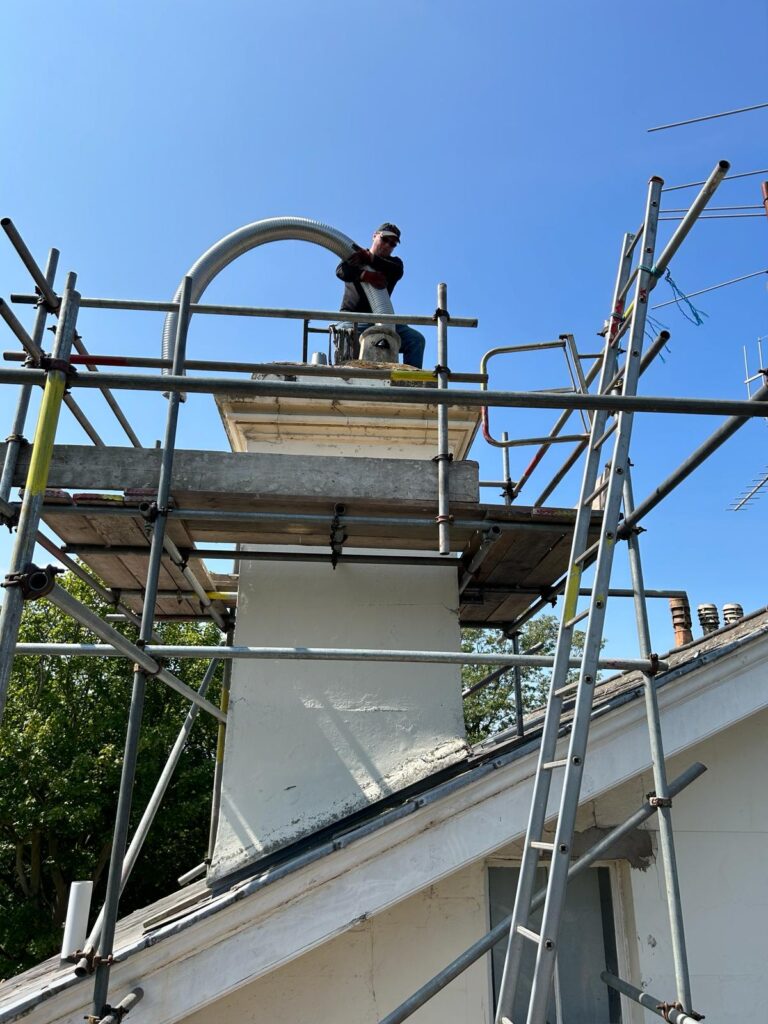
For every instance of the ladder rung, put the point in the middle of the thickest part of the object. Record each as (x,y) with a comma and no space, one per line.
(603,438)
(528,934)
(597,491)
(580,558)
(577,618)
(538,845)
(556,764)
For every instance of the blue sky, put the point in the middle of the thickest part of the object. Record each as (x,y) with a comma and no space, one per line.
(508,142)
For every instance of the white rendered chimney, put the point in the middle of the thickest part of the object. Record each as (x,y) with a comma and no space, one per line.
(309,742)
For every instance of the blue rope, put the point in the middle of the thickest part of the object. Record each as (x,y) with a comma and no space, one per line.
(652,328)
(695,316)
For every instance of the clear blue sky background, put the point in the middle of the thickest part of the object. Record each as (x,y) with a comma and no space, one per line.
(509,143)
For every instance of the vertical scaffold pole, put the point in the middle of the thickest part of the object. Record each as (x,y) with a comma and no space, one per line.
(662,798)
(443,452)
(220,741)
(25,392)
(112,898)
(505,470)
(37,480)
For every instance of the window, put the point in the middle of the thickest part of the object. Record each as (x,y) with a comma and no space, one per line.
(587,947)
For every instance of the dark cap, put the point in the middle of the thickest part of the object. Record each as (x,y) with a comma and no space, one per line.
(389,229)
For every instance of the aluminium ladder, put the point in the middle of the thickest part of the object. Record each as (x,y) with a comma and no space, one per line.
(546,940)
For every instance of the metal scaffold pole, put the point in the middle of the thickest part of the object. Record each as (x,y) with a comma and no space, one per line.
(220,740)
(443,451)
(22,573)
(16,438)
(114,879)
(661,797)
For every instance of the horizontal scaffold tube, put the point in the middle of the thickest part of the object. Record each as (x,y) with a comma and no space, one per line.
(335,654)
(409,396)
(329,315)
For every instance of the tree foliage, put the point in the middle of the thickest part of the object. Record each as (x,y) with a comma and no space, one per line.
(61,750)
(492,708)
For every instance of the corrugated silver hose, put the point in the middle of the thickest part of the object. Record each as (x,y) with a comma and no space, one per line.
(275,229)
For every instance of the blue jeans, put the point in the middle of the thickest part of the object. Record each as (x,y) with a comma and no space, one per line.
(412,343)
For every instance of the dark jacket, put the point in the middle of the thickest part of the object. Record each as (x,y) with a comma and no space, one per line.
(354,300)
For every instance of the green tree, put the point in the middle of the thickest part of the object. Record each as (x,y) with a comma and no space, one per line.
(492,708)
(61,751)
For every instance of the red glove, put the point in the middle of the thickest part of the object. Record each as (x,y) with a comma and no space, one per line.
(374,277)
(360,256)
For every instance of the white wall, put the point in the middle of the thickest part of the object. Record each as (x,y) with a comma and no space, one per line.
(365,973)
(721,836)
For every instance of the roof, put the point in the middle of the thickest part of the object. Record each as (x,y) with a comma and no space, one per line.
(323,885)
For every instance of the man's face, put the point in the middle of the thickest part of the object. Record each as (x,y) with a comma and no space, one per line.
(383,245)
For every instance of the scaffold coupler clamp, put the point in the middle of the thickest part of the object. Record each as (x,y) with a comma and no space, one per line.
(664,1009)
(87,960)
(150,510)
(441,312)
(41,301)
(9,516)
(33,580)
(658,801)
(112,1012)
(48,363)
(654,660)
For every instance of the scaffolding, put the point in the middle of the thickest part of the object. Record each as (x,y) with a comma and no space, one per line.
(464,540)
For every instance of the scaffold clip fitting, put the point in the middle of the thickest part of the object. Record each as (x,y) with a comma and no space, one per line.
(35,581)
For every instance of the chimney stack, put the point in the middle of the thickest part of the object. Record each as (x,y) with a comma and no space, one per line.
(681,619)
(732,613)
(708,617)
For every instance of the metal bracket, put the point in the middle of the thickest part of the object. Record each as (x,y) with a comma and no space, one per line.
(118,1012)
(441,312)
(659,801)
(443,457)
(654,660)
(34,581)
(664,1009)
(10,520)
(87,962)
(150,510)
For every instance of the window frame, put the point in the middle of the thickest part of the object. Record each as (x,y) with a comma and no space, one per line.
(623,924)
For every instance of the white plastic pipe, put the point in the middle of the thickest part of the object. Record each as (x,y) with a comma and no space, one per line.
(76,926)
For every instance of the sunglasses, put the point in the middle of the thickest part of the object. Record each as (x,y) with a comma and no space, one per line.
(389,241)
